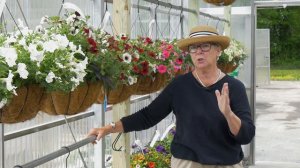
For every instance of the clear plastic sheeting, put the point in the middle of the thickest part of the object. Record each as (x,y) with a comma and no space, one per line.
(30,147)
(34,10)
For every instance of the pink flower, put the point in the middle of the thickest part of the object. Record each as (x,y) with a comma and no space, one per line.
(162,69)
(179,61)
(166,54)
(169,47)
(176,68)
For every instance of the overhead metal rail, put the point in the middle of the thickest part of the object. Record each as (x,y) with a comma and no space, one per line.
(169,5)
(280,3)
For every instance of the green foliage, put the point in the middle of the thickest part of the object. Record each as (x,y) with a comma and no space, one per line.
(285,74)
(284,28)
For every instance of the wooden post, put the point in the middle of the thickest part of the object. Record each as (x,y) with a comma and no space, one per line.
(227,14)
(193,18)
(121,21)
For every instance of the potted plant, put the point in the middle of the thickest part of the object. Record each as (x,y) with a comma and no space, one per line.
(19,91)
(232,57)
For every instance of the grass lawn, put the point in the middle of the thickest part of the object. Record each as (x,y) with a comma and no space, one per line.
(285,74)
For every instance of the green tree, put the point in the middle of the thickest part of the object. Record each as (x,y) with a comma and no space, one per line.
(284,28)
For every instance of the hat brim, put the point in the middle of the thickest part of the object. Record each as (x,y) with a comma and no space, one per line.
(222,40)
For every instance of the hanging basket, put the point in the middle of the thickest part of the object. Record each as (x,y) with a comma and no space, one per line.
(227,68)
(147,85)
(118,95)
(24,106)
(220,2)
(61,103)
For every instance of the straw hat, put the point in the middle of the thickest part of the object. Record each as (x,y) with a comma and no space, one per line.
(202,34)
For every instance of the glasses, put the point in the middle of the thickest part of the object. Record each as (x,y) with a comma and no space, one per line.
(203,46)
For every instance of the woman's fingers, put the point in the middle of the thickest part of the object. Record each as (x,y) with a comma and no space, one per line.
(217,93)
(95,132)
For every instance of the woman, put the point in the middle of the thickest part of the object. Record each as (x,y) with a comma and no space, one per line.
(212,111)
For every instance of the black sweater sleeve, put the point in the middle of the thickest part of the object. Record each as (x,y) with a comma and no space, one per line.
(240,106)
(152,114)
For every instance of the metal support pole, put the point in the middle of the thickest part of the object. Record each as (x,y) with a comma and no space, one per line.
(1,145)
(253,82)
(56,154)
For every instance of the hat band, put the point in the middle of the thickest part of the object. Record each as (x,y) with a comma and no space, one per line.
(204,33)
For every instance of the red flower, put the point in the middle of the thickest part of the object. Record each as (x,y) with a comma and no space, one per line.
(124,37)
(122,76)
(92,42)
(145,71)
(179,61)
(135,59)
(86,30)
(151,54)
(148,40)
(169,47)
(151,165)
(136,69)
(127,47)
(94,50)
(140,50)
(145,64)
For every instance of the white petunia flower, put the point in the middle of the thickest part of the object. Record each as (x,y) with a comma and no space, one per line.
(72,46)
(71,19)
(10,40)
(131,80)
(50,46)
(61,66)
(10,55)
(76,83)
(22,70)
(9,85)
(68,6)
(35,55)
(23,42)
(50,77)
(44,19)
(82,65)
(25,32)
(39,29)
(62,41)
(153,66)
(2,103)
(127,57)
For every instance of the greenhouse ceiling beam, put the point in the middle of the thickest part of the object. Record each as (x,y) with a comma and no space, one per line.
(213,17)
(282,3)
(169,5)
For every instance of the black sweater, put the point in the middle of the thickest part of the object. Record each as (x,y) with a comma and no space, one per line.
(202,133)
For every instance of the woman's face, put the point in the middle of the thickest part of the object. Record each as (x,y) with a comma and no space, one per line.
(204,55)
